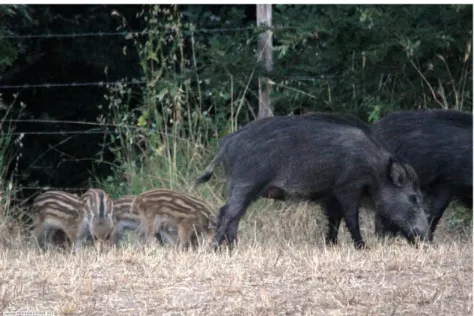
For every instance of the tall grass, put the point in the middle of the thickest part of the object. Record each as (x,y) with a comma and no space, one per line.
(12,215)
(167,139)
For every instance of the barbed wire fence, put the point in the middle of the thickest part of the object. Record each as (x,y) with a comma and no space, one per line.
(146,32)
(128,33)
(101,128)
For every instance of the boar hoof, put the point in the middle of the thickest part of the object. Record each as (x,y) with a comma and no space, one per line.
(360,245)
(330,241)
(216,245)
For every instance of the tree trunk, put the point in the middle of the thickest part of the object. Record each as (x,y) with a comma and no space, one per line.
(264,18)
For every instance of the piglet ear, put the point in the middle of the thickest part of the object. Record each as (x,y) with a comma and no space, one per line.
(397,173)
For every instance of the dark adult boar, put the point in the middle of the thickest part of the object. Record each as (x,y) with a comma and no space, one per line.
(324,158)
(438,145)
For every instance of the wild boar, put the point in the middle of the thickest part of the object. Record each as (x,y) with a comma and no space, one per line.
(55,212)
(438,145)
(329,159)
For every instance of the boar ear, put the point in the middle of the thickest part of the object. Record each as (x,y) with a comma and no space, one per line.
(411,173)
(397,173)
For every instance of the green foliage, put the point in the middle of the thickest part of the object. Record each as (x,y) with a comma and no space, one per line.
(459,217)
(164,139)
(361,57)
(12,16)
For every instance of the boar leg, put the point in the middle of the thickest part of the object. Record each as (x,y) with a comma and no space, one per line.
(82,235)
(117,233)
(166,238)
(439,199)
(221,230)
(229,217)
(140,237)
(232,232)
(334,215)
(150,231)
(185,232)
(40,236)
(349,200)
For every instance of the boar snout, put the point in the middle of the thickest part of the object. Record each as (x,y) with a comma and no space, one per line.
(420,230)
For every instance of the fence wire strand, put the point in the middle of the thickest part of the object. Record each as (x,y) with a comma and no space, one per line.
(138,82)
(49,188)
(71,84)
(127,33)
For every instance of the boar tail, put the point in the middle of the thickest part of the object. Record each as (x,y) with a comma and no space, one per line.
(206,176)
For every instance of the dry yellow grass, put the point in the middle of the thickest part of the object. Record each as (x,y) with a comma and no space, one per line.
(281,267)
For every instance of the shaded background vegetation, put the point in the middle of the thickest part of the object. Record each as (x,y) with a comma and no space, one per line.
(189,74)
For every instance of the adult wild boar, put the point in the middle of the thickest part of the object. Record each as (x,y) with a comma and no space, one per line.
(325,158)
(438,145)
